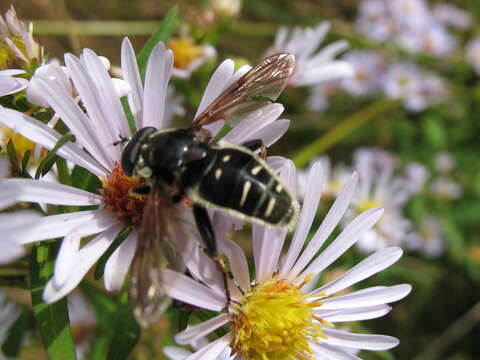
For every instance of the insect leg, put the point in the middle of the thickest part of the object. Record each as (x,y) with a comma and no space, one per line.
(208,236)
(256,144)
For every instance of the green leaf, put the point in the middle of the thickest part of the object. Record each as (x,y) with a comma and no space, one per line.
(126,336)
(52,319)
(128,114)
(162,33)
(26,159)
(51,157)
(12,154)
(62,169)
(100,268)
(13,341)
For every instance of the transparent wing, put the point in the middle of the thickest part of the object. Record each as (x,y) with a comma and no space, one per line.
(156,250)
(258,87)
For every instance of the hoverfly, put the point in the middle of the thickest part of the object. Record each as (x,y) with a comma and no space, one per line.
(175,164)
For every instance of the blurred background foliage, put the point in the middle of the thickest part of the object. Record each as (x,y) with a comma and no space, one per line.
(441,318)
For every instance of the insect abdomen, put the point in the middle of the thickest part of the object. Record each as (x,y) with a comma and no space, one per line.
(241,183)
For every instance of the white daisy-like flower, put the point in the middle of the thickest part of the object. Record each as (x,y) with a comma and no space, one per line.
(335,177)
(179,353)
(415,177)
(444,162)
(409,13)
(430,38)
(428,239)
(374,20)
(96,132)
(472,55)
(312,64)
(450,14)
(445,188)
(20,48)
(378,187)
(189,56)
(369,68)
(9,84)
(273,315)
(319,97)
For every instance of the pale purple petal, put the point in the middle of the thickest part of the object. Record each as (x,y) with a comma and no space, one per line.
(315,184)
(132,75)
(176,353)
(110,103)
(119,262)
(377,295)
(272,132)
(187,290)
(157,76)
(86,257)
(42,134)
(10,251)
(212,350)
(66,257)
(348,237)
(217,84)
(54,226)
(13,191)
(355,314)
(368,267)
(193,333)
(76,120)
(329,352)
(238,263)
(359,341)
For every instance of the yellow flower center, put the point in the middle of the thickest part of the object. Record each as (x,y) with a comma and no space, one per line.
(275,321)
(119,197)
(21,143)
(185,51)
(368,204)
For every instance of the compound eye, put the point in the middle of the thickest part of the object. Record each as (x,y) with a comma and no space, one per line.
(132,151)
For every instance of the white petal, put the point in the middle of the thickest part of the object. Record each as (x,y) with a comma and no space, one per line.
(272,132)
(10,252)
(212,350)
(270,248)
(64,264)
(330,352)
(315,184)
(359,341)
(132,75)
(367,297)
(157,76)
(368,267)
(187,290)
(76,120)
(193,333)
(356,314)
(176,353)
(119,262)
(328,224)
(253,122)
(54,226)
(217,83)
(87,256)
(122,88)
(29,190)
(238,263)
(40,133)
(349,236)
(326,72)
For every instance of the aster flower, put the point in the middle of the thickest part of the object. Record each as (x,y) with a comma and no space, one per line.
(319,97)
(427,239)
(374,20)
(472,55)
(445,188)
(189,56)
(444,162)
(273,316)
(10,84)
(378,187)
(18,49)
(96,131)
(450,14)
(415,177)
(312,65)
(369,68)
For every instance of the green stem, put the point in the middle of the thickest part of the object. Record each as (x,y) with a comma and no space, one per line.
(343,129)
(52,319)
